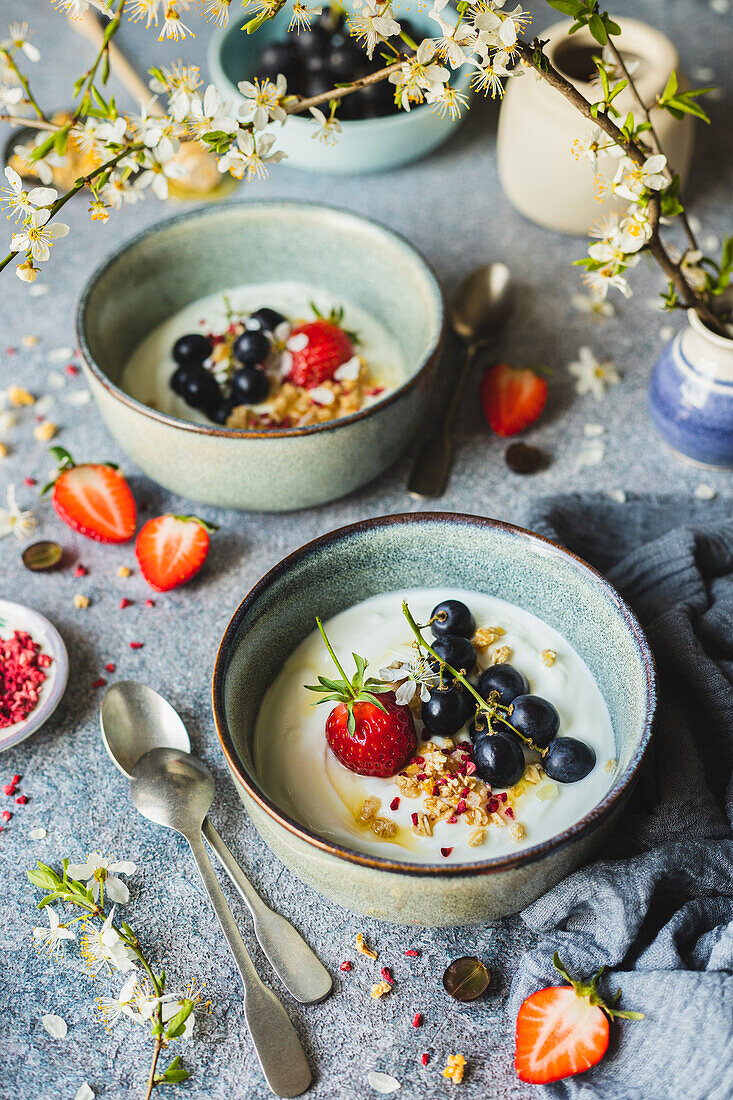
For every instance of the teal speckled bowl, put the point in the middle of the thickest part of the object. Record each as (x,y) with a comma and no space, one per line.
(364,145)
(188,257)
(436,549)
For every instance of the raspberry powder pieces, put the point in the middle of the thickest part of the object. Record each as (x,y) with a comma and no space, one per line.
(21,676)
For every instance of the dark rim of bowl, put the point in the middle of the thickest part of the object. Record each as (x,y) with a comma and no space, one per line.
(499,864)
(261,433)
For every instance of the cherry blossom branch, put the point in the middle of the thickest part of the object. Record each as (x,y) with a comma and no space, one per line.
(23,81)
(304,103)
(29,123)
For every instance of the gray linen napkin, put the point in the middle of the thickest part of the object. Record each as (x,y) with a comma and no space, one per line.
(657,908)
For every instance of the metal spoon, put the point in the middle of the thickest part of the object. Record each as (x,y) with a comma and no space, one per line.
(482,304)
(135,719)
(176,790)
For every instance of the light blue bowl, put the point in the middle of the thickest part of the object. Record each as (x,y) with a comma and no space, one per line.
(364,145)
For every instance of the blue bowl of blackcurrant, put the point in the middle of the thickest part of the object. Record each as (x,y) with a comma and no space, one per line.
(375,135)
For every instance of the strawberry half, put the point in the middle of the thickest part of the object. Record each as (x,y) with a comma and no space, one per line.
(512,398)
(93,499)
(172,549)
(367,730)
(563,1030)
(319,349)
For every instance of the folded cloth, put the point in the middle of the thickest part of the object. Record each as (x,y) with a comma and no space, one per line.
(657,908)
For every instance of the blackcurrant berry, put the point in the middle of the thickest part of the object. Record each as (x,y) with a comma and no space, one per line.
(252,347)
(250,386)
(452,617)
(508,681)
(569,760)
(536,718)
(192,348)
(445,712)
(455,651)
(499,760)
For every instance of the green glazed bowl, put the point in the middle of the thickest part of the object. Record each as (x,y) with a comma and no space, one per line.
(197,254)
(435,549)
(364,145)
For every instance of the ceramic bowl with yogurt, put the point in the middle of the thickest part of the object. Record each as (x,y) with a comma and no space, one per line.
(175,277)
(306,804)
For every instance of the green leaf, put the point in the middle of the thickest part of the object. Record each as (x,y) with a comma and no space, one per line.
(567,7)
(610,25)
(174,1073)
(44,877)
(616,90)
(61,140)
(597,28)
(669,89)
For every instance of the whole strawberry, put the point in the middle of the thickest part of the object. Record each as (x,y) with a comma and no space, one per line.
(367,730)
(318,349)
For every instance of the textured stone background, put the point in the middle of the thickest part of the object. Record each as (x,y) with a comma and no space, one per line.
(73,790)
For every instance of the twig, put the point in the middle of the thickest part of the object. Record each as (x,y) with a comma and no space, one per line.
(154,1065)
(29,123)
(304,103)
(24,83)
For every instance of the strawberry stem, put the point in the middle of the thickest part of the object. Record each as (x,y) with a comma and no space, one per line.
(589,991)
(334,658)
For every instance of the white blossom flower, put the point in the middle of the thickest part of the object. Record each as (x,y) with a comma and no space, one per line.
(121,190)
(216,11)
(632,179)
(55,936)
(101,871)
(10,96)
(20,202)
(328,128)
(135,1000)
(634,230)
(74,9)
(173,25)
(591,375)
(604,278)
(455,42)
(13,519)
(36,236)
(486,79)
(446,100)
(157,175)
(103,949)
(180,82)
(41,167)
(18,40)
(247,159)
(413,676)
(55,1025)
(263,101)
(212,113)
(373,23)
(418,75)
(144,9)
(302,15)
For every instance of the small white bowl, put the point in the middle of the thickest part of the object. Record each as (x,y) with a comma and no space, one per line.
(14,616)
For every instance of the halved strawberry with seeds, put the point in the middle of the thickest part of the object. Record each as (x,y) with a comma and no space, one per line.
(93,499)
(172,549)
(318,349)
(368,731)
(563,1030)
(512,397)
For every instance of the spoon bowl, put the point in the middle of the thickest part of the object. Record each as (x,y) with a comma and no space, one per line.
(136,719)
(483,302)
(172,789)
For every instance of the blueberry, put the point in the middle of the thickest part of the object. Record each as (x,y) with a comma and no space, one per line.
(318,83)
(277,57)
(250,385)
(344,61)
(378,99)
(194,347)
(179,379)
(313,40)
(201,390)
(569,760)
(220,411)
(499,760)
(446,711)
(252,347)
(266,319)
(509,682)
(455,651)
(319,63)
(452,617)
(536,718)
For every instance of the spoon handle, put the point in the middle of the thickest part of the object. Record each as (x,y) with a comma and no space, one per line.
(432,464)
(275,1039)
(295,963)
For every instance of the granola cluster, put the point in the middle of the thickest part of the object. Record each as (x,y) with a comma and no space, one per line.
(294,406)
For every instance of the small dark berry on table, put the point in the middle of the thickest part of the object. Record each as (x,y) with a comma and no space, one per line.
(466,979)
(506,680)
(252,347)
(569,760)
(524,459)
(452,617)
(191,349)
(536,718)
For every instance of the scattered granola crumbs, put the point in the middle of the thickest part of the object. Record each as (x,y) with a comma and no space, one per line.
(45,430)
(368,810)
(363,948)
(100,682)
(18,397)
(417,1020)
(382,826)
(547,792)
(123,571)
(4,450)
(7,420)
(346,965)
(549,656)
(454,1068)
(38,833)
(124,602)
(424,1058)
(517,831)
(136,645)
(486,636)
(476,838)
(532,774)
(380,989)
(81,571)
(705,492)
(610,765)
(501,655)
(387,975)
(29,340)
(81,601)
(412,953)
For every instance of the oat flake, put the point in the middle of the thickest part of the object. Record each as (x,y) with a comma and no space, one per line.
(383,1082)
(54,1025)
(38,834)
(84,1093)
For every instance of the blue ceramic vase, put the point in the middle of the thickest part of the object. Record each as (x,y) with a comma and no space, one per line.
(691,395)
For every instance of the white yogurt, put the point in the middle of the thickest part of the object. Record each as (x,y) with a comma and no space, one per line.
(304,778)
(147,373)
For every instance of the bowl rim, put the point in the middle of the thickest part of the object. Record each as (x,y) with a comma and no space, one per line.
(403,118)
(499,864)
(89,361)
